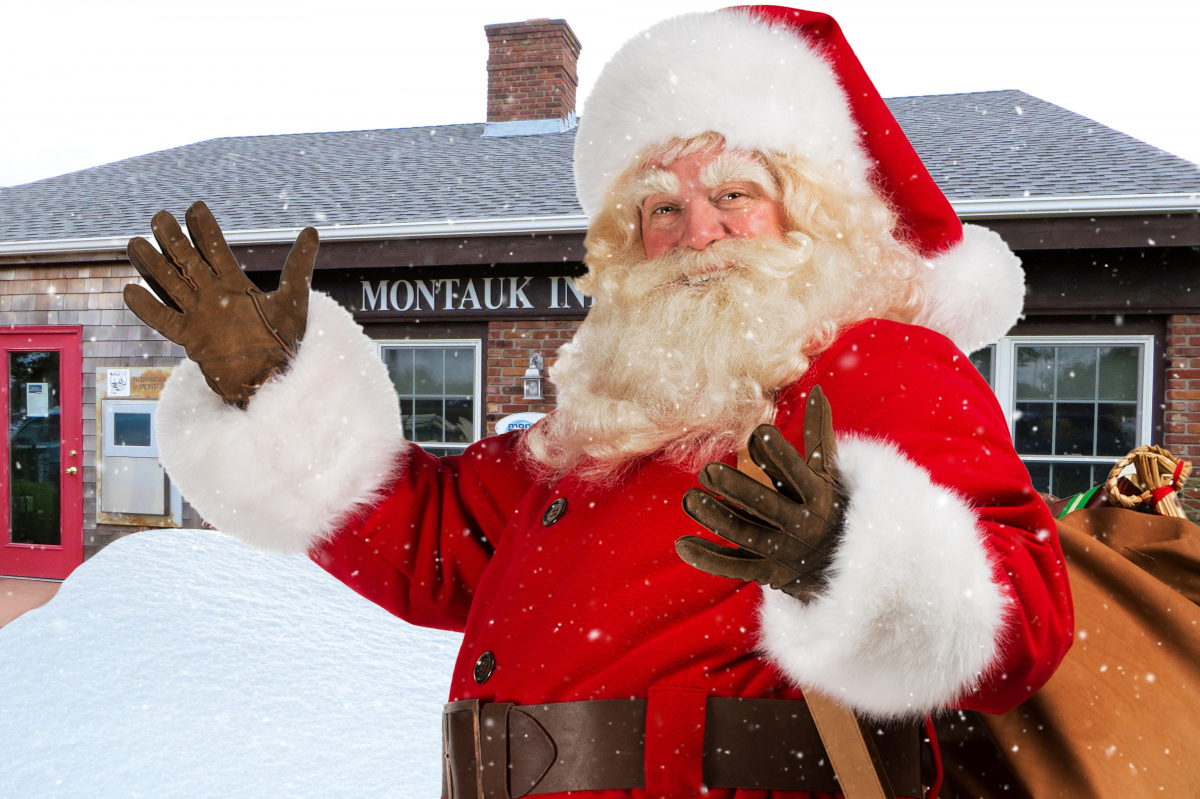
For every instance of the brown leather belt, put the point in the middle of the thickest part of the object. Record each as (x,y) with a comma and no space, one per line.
(504,751)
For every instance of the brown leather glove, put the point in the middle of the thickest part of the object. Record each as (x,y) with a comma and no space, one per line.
(238,335)
(785,537)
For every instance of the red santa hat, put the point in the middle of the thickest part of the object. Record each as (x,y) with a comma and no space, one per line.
(769,78)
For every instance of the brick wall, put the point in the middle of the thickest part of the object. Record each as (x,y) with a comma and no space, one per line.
(531,70)
(89,296)
(1182,418)
(509,346)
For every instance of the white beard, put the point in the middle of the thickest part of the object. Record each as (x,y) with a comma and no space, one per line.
(681,355)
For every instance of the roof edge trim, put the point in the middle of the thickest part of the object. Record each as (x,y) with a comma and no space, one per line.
(1095,205)
(997,208)
(521,226)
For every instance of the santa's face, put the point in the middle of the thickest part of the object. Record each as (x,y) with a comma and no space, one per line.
(692,331)
(706,197)
(697,324)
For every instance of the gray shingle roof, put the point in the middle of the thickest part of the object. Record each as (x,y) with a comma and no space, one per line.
(1008,144)
(272,182)
(1003,144)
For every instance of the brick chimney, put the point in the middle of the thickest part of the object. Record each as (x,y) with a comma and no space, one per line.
(531,77)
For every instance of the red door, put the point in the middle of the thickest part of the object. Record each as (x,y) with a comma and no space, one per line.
(41,471)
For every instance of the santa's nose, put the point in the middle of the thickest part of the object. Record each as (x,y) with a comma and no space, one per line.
(703,226)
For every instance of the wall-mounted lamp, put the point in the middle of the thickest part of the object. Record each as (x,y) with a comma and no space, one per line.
(533,377)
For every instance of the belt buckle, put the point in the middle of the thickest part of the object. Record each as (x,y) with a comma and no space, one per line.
(475,750)
(460,750)
(461,778)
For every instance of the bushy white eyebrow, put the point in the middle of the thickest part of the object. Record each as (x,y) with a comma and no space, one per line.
(655,181)
(731,166)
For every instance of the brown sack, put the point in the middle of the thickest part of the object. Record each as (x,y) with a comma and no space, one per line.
(1121,716)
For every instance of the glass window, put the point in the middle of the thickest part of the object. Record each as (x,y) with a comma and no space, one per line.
(131,429)
(985,361)
(34,492)
(439,389)
(1075,404)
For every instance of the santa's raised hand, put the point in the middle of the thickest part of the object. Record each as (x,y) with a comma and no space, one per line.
(237,334)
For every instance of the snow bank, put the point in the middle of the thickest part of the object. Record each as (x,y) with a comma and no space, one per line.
(183,664)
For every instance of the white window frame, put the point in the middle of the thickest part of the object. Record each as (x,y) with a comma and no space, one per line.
(445,343)
(1005,385)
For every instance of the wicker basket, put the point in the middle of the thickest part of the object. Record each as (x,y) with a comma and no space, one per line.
(1157,473)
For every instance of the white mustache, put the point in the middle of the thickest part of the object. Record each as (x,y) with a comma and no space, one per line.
(683,268)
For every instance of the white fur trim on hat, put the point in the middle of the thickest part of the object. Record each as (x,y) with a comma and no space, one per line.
(911,617)
(761,87)
(314,444)
(975,291)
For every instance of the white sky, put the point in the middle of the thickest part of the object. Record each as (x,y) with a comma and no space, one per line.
(85,83)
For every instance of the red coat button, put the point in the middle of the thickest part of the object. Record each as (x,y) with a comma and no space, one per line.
(484,667)
(555,511)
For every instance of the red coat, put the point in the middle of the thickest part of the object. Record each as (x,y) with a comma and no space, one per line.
(949,586)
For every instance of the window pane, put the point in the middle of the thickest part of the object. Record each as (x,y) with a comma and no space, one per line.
(1118,373)
(1039,475)
(1117,432)
(34,493)
(1035,373)
(131,429)
(1034,428)
(1075,426)
(1079,402)
(1071,478)
(1076,373)
(406,412)
(436,414)
(428,373)
(460,415)
(460,371)
(427,420)
(983,360)
(400,368)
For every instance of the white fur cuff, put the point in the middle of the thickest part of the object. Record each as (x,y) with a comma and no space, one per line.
(314,445)
(910,618)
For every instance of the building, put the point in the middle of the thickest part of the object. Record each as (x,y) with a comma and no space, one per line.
(457,247)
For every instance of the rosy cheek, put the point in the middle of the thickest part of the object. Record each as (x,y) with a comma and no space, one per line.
(745,225)
(653,243)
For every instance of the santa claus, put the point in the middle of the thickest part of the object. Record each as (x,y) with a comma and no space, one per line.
(760,228)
